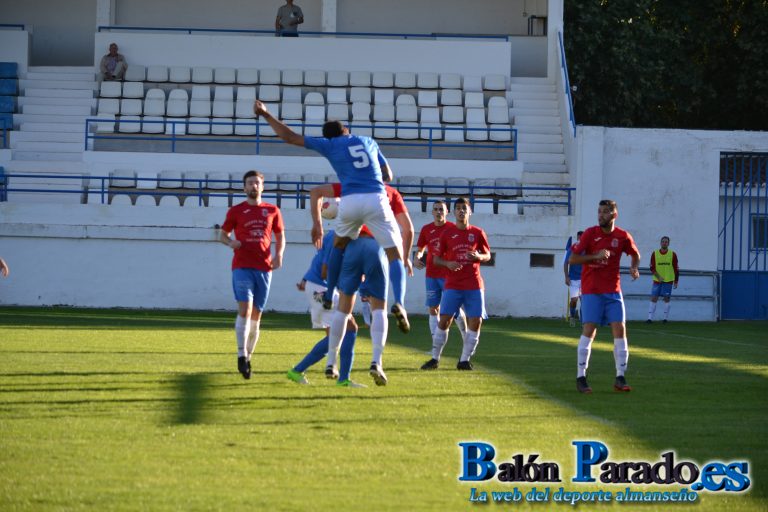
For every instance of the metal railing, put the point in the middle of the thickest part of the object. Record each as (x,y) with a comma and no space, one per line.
(176,135)
(191,30)
(297,191)
(564,71)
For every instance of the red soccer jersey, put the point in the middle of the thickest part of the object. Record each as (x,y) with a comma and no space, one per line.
(453,245)
(253,227)
(603,276)
(429,237)
(396,202)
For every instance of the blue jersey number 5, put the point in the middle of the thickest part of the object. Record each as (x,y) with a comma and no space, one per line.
(361,160)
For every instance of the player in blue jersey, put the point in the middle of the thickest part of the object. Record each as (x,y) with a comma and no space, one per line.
(313,282)
(362,171)
(573,282)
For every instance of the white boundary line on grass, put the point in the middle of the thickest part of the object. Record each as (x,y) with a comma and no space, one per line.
(698,338)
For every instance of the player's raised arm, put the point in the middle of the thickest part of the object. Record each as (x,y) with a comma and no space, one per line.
(282,131)
(316,195)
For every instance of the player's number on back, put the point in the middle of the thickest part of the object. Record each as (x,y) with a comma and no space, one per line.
(360,157)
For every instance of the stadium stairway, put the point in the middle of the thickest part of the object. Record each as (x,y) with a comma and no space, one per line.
(534,112)
(48,130)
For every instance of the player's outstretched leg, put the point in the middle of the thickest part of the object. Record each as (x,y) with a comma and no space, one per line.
(335,258)
(397,278)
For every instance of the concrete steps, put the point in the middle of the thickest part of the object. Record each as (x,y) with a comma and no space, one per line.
(533,147)
(44,92)
(524,137)
(54,147)
(52,127)
(55,76)
(558,179)
(47,156)
(19,119)
(46,167)
(24,83)
(53,110)
(45,136)
(44,100)
(539,129)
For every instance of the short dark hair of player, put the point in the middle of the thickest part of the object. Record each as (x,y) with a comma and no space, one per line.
(258,174)
(333,129)
(440,202)
(579,233)
(609,203)
(665,236)
(461,200)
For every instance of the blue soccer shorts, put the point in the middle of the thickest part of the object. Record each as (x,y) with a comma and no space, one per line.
(602,308)
(251,285)
(364,257)
(473,302)
(435,286)
(661,289)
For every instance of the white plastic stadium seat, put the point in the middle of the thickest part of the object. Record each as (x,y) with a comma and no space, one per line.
(337,79)
(179,74)
(453,115)
(434,185)
(427,98)
(178,104)
(199,125)
(495,82)
(405,99)
(269,93)
(384,130)
(245,93)
(106,125)
(289,182)
(218,180)
(384,96)
(194,179)
(135,73)
(108,106)
(248,76)
(244,109)
(223,92)
(222,126)
(450,81)
(175,126)
(430,118)
(337,95)
(153,124)
(291,94)
(405,80)
(314,98)
(312,180)
(200,108)
(427,80)
(133,90)
(383,79)
(245,126)
(360,94)
(291,111)
(501,183)
(201,92)
(224,75)
(293,77)
(122,178)
(269,76)
(338,112)
(454,133)
(264,129)
(360,79)
(154,104)
(457,186)
(130,107)
(473,100)
(409,184)
(129,124)
(476,127)
(202,75)
(157,74)
(473,83)
(314,114)
(407,113)
(383,112)
(451,97)
(111,89)
(314,78)
(408,130)
(170,178)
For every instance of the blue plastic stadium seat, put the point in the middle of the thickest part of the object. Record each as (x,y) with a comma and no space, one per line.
(7,104)
(9,86)
(9,70)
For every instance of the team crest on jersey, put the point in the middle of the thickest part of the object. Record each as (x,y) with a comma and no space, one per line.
(471,237)
(264,212)
(614,243)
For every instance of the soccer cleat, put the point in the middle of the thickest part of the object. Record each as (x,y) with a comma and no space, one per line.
(620,384)
(244,367)
(582,386)
(402,318)
(649,321)
(432,364)
(379,377)
(320,297)
(350,384)
(331,372)
(297,377)
(572,322)
(464,365)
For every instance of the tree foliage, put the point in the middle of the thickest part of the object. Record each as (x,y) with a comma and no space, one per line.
(696,64)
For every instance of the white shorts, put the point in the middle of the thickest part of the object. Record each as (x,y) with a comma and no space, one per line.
(575,289)
(321,318)
(374,211)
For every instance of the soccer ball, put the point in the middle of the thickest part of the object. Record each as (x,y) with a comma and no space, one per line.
(330,208)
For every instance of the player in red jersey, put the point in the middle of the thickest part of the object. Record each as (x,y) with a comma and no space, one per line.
(434,279)
(461,248)
(599,251)
(253,222)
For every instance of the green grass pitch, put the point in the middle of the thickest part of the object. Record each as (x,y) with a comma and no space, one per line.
(144,410)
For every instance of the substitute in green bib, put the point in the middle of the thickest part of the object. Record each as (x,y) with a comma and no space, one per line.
(665,276)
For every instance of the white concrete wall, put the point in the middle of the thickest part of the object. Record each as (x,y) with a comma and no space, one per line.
(467,57)
(62,32)
(14,47)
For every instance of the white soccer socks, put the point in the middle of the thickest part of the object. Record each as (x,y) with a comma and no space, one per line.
(252,337)
(242,328)
(651,310)
(379,326)
(439,339)
(667,305)
(471,339)
(620,355)
(582,355)
(461,323)
(432,324)
(336,332)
